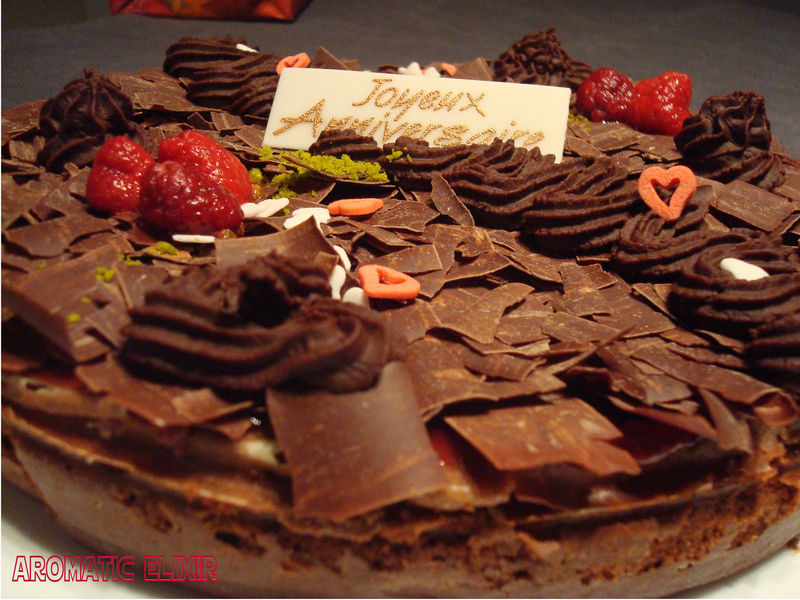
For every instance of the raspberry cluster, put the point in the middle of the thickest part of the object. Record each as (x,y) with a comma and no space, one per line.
(196,186)
(656,105)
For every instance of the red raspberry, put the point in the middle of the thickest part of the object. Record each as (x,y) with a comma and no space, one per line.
(115,179)
(661,104)
(605,95)
(192,148)
(182,199)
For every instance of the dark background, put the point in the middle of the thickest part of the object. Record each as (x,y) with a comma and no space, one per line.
(723,45)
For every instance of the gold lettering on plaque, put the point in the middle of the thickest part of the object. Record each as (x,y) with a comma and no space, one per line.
(313,115)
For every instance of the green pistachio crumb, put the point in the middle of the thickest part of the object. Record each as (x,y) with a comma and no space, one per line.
(578,119)
(394,155)
(256,175)
(265,153)
(41,265)
(73,318)
(128,260)
(85,300)
(165,248)
(286,211)
(104,274)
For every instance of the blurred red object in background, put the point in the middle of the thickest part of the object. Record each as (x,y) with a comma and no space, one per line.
(284,10)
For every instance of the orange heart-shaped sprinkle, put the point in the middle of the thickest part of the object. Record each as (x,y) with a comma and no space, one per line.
(666,178)
(296,61)
(353,207)
(449,68)
(384,282)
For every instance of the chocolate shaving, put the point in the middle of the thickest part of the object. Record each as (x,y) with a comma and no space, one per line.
(20,120)
(733,433)
(752,205)
(412,321)
(441,379)
(305,241)
(50,300)
(692,423)
(165,94)
(731,385)
(414,259)
(568,328)
(52,237)
(383,453)
(483,265)
(529,437)
(405,216)
(479,319)
(498,365)
(447,203)
(202,406)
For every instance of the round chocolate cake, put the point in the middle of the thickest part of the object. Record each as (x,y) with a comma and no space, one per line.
(400,369)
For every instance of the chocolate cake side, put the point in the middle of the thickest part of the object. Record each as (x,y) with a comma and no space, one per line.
(666,545)
(578,402)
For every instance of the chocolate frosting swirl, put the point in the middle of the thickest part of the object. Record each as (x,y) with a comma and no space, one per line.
(83,115)
(497,183)
(709,297)
(336,142)
(539,58)
(268,322)
(419,161)
(585,212)
(775,350)
(218,74)
(191,54)
(652,248)
(730,139)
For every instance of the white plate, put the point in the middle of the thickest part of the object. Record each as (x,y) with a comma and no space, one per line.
(28,530)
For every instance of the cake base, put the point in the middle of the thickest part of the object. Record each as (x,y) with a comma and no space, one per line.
(654,551)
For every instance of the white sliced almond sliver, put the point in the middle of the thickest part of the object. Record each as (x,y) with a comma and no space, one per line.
(319,214)
(356,295)
(336,281)
(343,257)
(743,270)
(189,238)
(270,206)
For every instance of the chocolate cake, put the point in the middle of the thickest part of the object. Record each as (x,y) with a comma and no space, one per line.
(576,400)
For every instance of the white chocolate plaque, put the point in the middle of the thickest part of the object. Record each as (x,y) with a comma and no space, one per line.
(443,112)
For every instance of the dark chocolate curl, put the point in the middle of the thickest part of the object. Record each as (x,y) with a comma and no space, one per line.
(352,453)
(261,324)
(730,139)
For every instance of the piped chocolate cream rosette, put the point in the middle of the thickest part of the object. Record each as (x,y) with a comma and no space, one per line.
(268,322)
(225,73)
(337,142)
(83,115)
(738,286)
(730,139)
(585,212)
(540,58)
(775,351)
(653,248)
(501,183)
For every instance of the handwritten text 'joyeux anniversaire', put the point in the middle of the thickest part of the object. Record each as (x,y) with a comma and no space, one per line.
(443,112)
